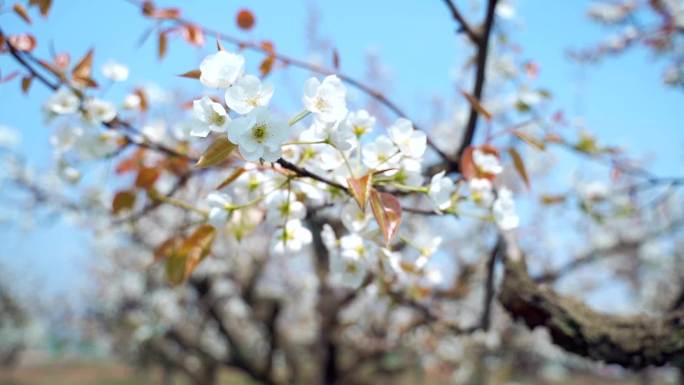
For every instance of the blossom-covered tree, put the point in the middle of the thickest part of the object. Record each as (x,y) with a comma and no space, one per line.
(309,246)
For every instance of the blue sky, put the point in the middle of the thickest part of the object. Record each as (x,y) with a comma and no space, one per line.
(621,100)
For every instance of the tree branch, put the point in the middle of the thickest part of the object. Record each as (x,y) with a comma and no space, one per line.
(630,341)
(480,71)
(464,26)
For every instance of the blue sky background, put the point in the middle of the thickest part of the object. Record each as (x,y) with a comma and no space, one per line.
(622,100)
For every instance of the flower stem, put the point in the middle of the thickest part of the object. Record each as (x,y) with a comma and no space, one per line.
(295,119)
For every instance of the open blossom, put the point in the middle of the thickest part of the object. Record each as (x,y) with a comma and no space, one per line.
(247,93)
(218,204)
(222,69)
(353,218)
(259,135)
(481,191)
(97,111)
(326,99)
(291,238)
(380,152)
(359,123)
(63,102)
(212,114)
(283,206)
(487,163)
(114,71)
(504,210)
(337,134)
(440,191)
(411,143)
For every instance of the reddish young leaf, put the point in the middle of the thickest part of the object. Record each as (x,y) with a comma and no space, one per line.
(162,45)
(467,165)
(26,83)
(519,165)
(231,178)
(266,66)
(245,19)
(62,60)
(43,6)
(189,254)
(132,163)
(143,99)
(52,69)
(146,177)
(21,12)
(123,201)
(167,248)
(477,105)
(193,34)
(360,189)
(387,213)
(194,74)
(82,70)
(11,76)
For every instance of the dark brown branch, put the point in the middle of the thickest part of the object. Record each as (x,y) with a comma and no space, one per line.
(480,71)
(464,26)
(630,341)
(485,318)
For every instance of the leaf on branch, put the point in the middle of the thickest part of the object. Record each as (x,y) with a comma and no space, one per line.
(132,163)
(55,70)
(162,45)
(189,254)
(26,83)
(82,71)
(43,6)
(245,19)
(266,66)
(123,201)
(532,141)
(194,74)
(11,76)
(360,189)
(552,199)
(146,177)
(166,248)
(477,105)
(231,178)
(216,153)
(519,165)
(193,34)
(21,12)
(387,213)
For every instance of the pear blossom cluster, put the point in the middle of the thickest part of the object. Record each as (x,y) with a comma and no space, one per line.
(337,143)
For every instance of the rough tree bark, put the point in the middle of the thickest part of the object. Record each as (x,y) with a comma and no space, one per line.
(633,342)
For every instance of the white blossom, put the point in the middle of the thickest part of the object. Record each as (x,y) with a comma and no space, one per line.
(97,111)
(222,69)
(63,102)
(259,135)
(411,143)
(291,238)
(283,206)
(380,152)
(114,71)
(481,191)
(248,93)
(504,210)
(440,190)
(218,208)
(487,163)
(212,114)
(359,123)
(326,99)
